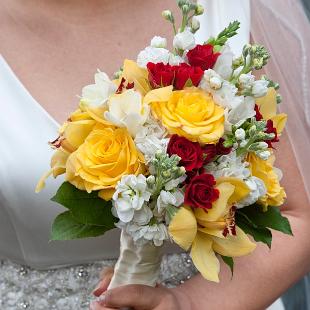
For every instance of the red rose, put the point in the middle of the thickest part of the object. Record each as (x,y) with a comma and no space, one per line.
(202,56)
(185,73)
(190,152)
(160,75)
(200,192)
(221,149)
(209,153)
(271,129)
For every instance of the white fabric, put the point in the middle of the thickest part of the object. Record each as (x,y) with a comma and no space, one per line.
(25,127)
(218,14)
(26,217)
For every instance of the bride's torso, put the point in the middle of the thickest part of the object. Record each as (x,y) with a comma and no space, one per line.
(54,52)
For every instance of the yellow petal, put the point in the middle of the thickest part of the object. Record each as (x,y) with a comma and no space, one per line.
(133,73)
(183,228)
(268,104)
(219,207)
(106,194)
(41,183)
(58,162)
(279,122)
(233,246)
(204,258)
(158,95)
(241,189)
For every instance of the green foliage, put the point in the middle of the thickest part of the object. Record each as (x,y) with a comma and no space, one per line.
(88,215)
(229,261)
(223,36)
(257,223)
(66,227)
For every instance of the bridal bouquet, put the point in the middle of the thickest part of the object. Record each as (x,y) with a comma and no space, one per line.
(179,147)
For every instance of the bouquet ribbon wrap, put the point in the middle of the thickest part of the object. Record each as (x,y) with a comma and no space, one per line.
(137,263)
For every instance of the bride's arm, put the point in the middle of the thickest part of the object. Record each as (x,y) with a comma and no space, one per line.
(258,278)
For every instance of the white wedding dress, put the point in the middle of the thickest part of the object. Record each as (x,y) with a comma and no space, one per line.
(26,217)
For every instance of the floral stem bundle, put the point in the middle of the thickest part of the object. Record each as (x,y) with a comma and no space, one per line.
(178,147)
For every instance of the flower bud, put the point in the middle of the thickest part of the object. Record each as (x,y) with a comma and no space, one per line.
(260,88)
(264,155)
(167,14)
(159,42)
(243,143)
(150,180)
(184,40)
(237,62)
(195,25)
(240,134)
(262,145)
(166,174)
(258,63)
(246,80)
(215,82)
(199,9)
(279,98)
(185,8)
(252,130)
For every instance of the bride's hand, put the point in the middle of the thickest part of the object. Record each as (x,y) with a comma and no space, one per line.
(141,297)
(106,276)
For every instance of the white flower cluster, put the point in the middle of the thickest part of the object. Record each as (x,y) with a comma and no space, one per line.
(235,166)
(141,210)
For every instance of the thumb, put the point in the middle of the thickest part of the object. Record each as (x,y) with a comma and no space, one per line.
(135,296)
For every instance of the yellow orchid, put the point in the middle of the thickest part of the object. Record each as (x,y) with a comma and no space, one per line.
(132,73)
(208,233)
(268,108)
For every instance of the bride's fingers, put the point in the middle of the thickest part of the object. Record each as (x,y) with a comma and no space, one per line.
(135,296)
(102,286)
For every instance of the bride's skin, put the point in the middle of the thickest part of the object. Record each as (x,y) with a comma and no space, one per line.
(54,47)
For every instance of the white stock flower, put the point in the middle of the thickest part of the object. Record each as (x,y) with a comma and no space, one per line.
(246,80)
(227,97)
(158,42)
(131,193)
(127,110)
(257,190)
(153,54)
(150,138)
(240,134)
(223,65)
(184,40)
(264,155)
(244,110)
(98,93)
(166,198)
(260,88)
(157,233)
(229,165)
(142,216)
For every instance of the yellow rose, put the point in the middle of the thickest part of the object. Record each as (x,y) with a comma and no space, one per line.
(190,113)
(71,135)
(264,170)
(107,154)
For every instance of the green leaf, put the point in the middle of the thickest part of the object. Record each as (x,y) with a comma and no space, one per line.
(66,227)
(260,234)
(272,218)
(86,208)
(229,261)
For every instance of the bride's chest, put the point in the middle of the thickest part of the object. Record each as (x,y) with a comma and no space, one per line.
(54,61)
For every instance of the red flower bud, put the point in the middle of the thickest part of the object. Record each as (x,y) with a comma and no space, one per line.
(160,75)
(202,56)
(185,74)
(200,192)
